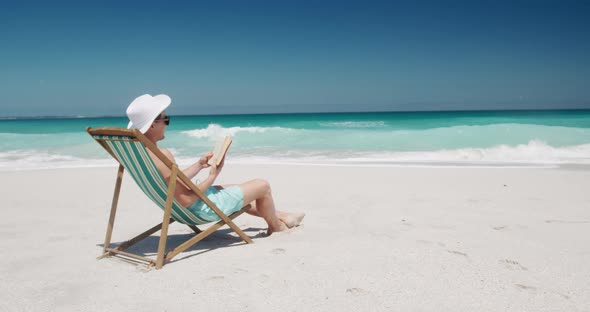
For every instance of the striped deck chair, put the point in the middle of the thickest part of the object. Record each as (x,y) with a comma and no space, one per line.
(129,148)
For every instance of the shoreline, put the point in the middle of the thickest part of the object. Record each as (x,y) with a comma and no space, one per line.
(341,164)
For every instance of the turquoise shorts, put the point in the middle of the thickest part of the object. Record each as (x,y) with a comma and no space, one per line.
(228,200)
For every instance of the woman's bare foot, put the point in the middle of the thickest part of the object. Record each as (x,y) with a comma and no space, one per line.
(292,219)
(279,228)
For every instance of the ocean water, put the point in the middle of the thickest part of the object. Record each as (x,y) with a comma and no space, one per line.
(491,138)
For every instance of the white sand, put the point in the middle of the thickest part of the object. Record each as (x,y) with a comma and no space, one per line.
(374,239)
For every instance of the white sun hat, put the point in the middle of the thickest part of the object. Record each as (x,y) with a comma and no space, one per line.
(145,109)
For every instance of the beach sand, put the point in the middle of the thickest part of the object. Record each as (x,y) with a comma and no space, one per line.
(374,239)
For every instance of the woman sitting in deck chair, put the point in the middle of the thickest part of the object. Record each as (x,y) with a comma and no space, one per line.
(147,114)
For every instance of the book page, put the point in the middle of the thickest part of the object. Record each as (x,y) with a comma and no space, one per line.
(220,150)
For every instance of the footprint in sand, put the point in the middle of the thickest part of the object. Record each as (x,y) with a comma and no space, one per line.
(356,291)
(562,295)
(406,223)
(513,265)
(458,253)
(525,287)
(567,221)
(263,278)
(278,251)
(427,242)
(509,227)
(534,289)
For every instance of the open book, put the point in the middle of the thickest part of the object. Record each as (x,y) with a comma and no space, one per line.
(220,150)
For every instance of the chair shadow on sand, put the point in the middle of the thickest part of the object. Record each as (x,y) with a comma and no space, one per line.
(221,238)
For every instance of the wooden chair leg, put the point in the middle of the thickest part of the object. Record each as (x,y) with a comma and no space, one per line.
(165,222)
(111,224)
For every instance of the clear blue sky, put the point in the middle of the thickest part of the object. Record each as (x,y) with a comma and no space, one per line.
(77,58)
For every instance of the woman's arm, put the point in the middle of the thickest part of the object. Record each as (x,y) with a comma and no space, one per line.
(195,168)
(213,173)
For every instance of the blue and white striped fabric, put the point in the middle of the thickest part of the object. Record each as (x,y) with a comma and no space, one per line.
(133,155)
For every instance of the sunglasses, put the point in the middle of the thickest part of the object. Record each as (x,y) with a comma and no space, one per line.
(166,119)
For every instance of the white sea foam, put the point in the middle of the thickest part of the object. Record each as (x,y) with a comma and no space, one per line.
(31,159)
(354,124)
(534,153)
(215,131)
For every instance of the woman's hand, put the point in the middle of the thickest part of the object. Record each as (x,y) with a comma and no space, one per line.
(204,161)
(215,169)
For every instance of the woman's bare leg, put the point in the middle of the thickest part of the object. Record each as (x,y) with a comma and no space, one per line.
(258,191)
(290,219)
(262,188)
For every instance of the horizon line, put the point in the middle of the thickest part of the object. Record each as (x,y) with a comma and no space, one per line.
(78,116)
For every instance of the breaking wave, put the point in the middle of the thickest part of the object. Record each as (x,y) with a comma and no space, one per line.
(215,131)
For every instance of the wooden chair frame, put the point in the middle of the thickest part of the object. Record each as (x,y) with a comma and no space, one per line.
(162,256)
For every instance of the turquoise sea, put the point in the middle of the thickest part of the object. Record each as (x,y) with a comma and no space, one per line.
(482,138)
